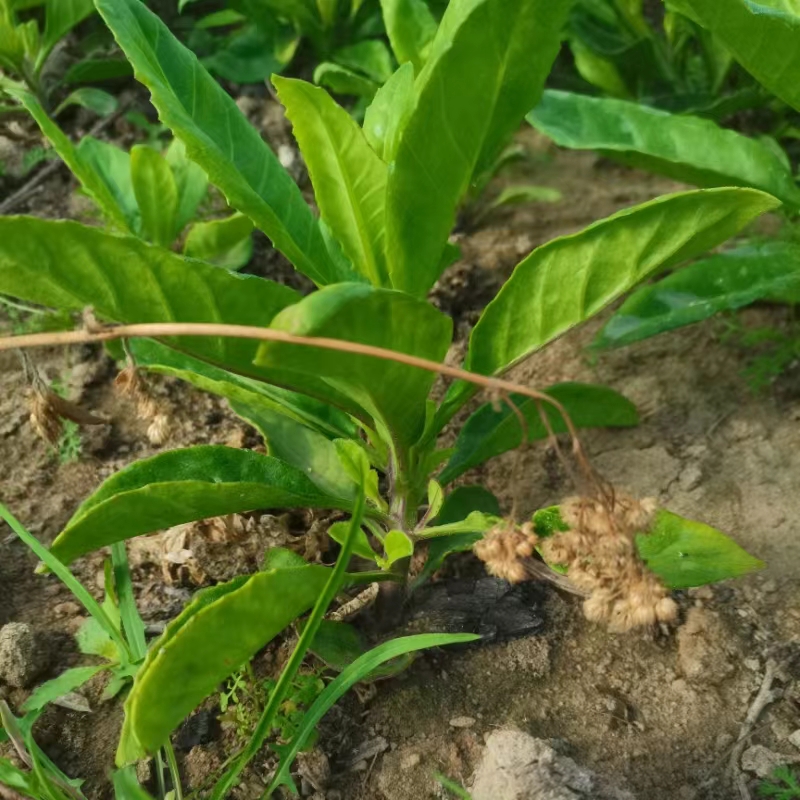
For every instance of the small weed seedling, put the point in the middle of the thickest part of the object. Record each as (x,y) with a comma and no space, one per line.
(783,785)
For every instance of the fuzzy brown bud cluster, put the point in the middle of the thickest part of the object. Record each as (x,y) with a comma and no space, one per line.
(503,549)
(600,553)
(129,383)
(49,410)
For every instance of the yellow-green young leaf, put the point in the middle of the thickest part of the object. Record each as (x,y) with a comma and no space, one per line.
(219,631)
(101,103)
(689,149)
(219,138)
(684,553)
(302,447)
(411,28)
(182,486)
(397,546)
(190,179)
(112,166)
(485,71)
(349,178)
(71,266)
(386,117)
(225,242)
(763,37)
(435,499)
(92,183)
(156,193)
(570,279)
(342,80)
(354,462)
(392,394)
(361,546)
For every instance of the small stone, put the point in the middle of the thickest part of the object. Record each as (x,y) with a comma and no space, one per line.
(410,761)
(359,766)
(66,609)
(753,664)
(762,761)
(723,741)
(23,655)
(769,586)
(462,722)
(702,653)
(794,738)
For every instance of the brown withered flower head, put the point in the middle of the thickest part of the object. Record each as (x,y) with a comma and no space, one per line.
(49,410)
(503,549)
(599,551)
(129,383)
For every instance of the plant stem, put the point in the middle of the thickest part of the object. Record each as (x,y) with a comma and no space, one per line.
(265,723)
(174,772)
(68,579)
(162,329)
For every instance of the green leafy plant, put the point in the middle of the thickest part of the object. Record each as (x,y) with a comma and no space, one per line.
(26,47)
(340,382)
(783,785)
(659,57)
(700,152)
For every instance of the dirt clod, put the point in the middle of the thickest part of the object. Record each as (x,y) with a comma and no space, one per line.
(702,650)
(516,766)
(23,654)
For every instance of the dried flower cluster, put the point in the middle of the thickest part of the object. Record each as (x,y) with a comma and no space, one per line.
(503,549)
(129,383)
(600,553)
(49,410)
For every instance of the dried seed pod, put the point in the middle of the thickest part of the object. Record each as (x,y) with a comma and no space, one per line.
(600,554)
(504,548)
(158,431)
(49,410)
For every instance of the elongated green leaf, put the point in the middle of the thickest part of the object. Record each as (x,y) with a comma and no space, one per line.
(61,16)
(302,447)
(763,37)
(102,103)
(363,666)
(341,80)
(190,179)
(689,149)
(71,266)
(319,416)
(65,683)
(156,194)
(225,242)
(370,56)
(486,69)
(489,432)
(111,165)
(91,182)
(218,632)
(339,645)
(349,178)
(218,137)
(386,117)
(393,394)
(126,786)
(719,283)
(181,486)
(411,28)
(570,279)
(684,553)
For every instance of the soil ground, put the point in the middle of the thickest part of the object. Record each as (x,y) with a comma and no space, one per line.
(656,712)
